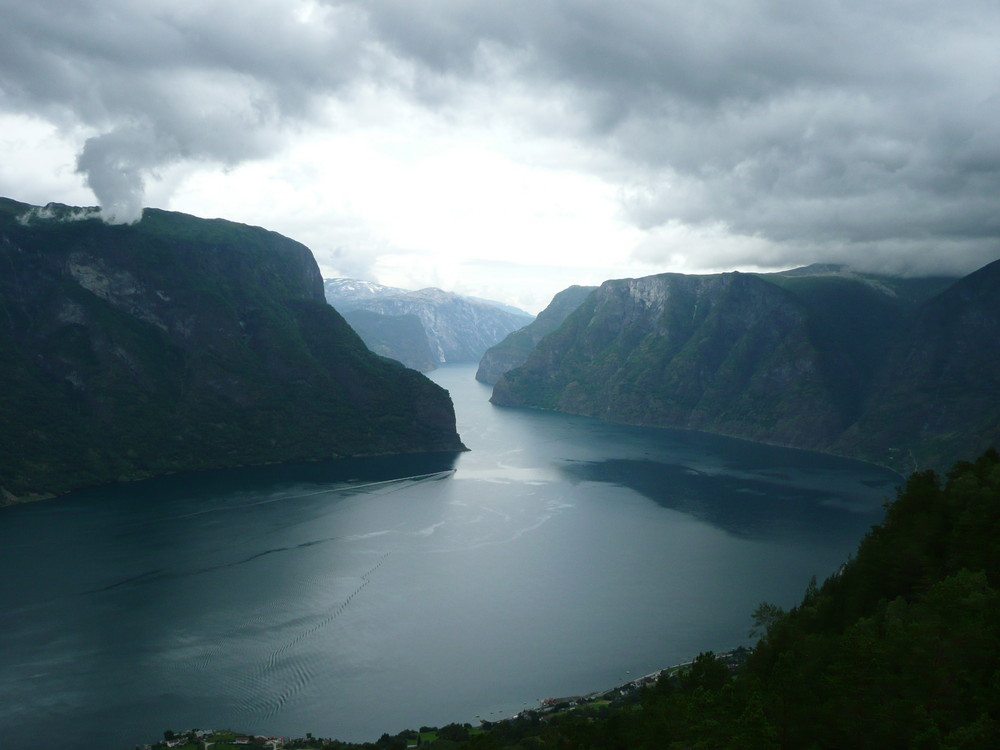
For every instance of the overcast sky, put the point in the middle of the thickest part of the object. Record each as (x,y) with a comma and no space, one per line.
(511,149)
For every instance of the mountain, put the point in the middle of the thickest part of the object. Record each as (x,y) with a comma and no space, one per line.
(514,350)
(346,294)
(515,311)
(399,337)
(938,394)
(180,343)
(728,353)
(819,357)
(855,319)
(458,329)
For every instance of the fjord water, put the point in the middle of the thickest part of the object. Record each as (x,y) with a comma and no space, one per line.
(563,555)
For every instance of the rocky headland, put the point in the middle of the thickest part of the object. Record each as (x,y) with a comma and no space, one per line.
(897,371)
(177,344)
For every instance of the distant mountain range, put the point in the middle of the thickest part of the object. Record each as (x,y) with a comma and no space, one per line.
(455,328)
(180,343)
(904,372)
(351,293)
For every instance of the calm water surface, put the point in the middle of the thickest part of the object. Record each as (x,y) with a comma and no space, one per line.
(563,555)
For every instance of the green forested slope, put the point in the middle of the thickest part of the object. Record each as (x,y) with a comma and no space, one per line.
(902,372)
(902,648)
(180,343)
(728,353)
(937,395)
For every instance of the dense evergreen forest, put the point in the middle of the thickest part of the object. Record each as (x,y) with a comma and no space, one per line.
(899,649)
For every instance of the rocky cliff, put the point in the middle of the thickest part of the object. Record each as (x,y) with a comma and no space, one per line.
(180,343)
(728,353)
(458,329)
(817,358)
(514,350)
(347,294)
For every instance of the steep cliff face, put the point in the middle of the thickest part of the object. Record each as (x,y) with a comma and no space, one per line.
(179,343)
(729,353)
(515,348)
(459,329)
(816,358)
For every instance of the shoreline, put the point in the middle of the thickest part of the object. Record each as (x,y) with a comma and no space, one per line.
(546,707)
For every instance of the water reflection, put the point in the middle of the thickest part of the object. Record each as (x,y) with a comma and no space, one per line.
(765,506)
(261,480)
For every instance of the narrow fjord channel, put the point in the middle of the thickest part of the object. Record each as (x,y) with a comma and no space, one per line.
(558,556)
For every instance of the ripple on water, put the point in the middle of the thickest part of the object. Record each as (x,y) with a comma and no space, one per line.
(280,675)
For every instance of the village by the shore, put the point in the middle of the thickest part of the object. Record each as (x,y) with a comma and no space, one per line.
(207,739)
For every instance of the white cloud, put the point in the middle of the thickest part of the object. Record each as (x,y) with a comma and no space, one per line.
(38,162)
(422,203)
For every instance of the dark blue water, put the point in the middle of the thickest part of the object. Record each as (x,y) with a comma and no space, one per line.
(563,555)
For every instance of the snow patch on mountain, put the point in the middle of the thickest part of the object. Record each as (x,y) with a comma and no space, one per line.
(459,329)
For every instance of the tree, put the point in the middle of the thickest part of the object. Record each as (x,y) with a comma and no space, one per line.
(764,616)
(707,672)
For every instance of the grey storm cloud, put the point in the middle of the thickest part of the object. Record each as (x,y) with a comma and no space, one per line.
(850,128)
(163,82)
(830,128)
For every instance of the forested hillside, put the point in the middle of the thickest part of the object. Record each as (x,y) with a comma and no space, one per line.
(894,371)
(179,344)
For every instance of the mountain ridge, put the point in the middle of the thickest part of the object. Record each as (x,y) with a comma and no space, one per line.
(179,343)
(458,328)
(517,346)
(796,358)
